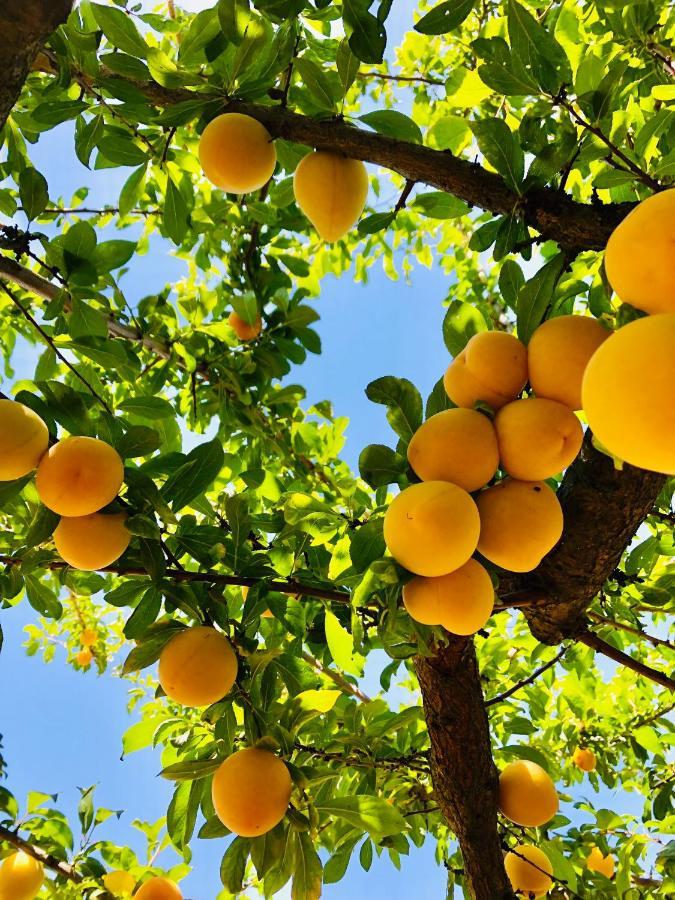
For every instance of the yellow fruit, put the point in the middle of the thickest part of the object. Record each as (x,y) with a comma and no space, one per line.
(24,438)
(557,356)
(21,877)
(119,882)
(84,657)
(159,889)
(639,255)
(237,153)
(457,445)
(491,368)
(197,667)
(537,438)
(527,796)
(526,875)
(461,602)
(520,522)
(584,759)
(331,190)
(432,528)
(629,393)
(596,862)
(92,542)
(244,330)
(251,791)
(88,637)
(79,476)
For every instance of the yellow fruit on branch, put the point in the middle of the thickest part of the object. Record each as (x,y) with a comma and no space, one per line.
(461,602)
(520,522)
(557,356)
(79,475)
(197,667)
(21,877)
(432,528)
(639,255)
(596,862)
(24,438)
(88,637)
(245,331)
(537,438)
(331,190)
(628,393)
(237,153)
(492,369)
(456,445)
(84,657)
(529,876)
(584,759)
(119,883)
(92,542)
(159,889)
(527,795)
(251,791)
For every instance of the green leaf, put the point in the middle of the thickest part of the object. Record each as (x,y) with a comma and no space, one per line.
(85,321)
(439,205)
(87,136)
(190,769)
(233,865)
(376,222)
(461,322)
(536,295)
(121,150)
(308,872)
(445,17)
(394,124)
(234,17)
(67,406)
(42,527)
(199,471)
(341,646)
(119,29)
(138,440)
(152,408)
(42,598)
(203,28)
(316,81)
(367,544)
(85,808)
(366,34)
(112,254)
(176,213)
(501,149)
(33,192)
(403,402)
(380,465)
(148,652)
(144,615)
(347,64)
(537,50)
(245,306)
(511,280)
(372,814)
(181,815)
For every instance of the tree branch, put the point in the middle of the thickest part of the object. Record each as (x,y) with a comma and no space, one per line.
(592,640)
(414,762)
(529,680)
(630,629)
(47,859)
(337,678)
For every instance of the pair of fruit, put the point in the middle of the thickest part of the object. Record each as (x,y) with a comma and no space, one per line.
(529,869)
(121,884)
(237,154)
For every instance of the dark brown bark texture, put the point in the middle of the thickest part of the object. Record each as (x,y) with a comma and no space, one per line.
(24,27)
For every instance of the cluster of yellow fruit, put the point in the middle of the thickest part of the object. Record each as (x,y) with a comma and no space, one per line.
(87,640)
(433,528)
(198,667)
(76,478)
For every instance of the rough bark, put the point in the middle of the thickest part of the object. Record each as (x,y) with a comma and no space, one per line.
(464,775)
(47,859)
(603,508)
(24,27)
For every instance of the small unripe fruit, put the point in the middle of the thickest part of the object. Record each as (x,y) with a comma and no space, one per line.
(88,637)
(456,445)
(537,438)
(639,255)
(92,542)
(21,877)
(527,796)
(79,475)
(84,657)
(584,759)
(197,667)
(119,883)
(331,190)
(432,528)
(24,438)
(492,369)
(526,875)
(251,791)
(237,153)
(461,602)
(159,889)
(245,331)
(596,862)
(520,522)
(557,356)
(628,393)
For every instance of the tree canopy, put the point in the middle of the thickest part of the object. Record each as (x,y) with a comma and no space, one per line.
(516,136)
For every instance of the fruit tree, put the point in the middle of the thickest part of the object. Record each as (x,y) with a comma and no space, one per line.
(176,514)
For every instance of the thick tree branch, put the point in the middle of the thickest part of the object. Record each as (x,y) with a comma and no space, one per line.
(51,862)
(595,642)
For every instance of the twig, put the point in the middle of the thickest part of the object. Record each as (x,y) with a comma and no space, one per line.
(663,57)
(387,76)
(171,8)
(529,680)
(50,342)
(167,145)
(337,678)
(87,210)
(413,761)
(405,193)
(46,859)
(592,640)
(611,623)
